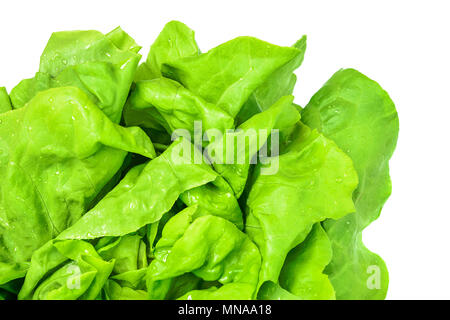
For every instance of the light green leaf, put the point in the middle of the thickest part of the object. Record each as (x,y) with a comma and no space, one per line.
(65,270)
(248,139)
(280,83)
(113,291)
(272,291)
(283,206)
(175,41)
(228,74)
(210,247)
(178,107)
(302,273)
(56,155)
(215,198)
(103,66)
(5,102)
(127,251)
(123,41)
(356,113)
(144,195)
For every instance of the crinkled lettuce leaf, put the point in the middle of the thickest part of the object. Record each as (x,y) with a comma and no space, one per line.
(356,113)
(228,74)
(211,248)
(282,207)
(130,255)
(174,107)
(103,66)
(114,291)
(233,153)
(302,275)
(128,252)
(219,198)
(56,155)
(280,83)
(65,270)
(302,272)
(144,195)
(175,41)
(5,102)
(215,198)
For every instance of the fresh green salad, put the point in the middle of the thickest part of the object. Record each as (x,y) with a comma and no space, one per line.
(190,175)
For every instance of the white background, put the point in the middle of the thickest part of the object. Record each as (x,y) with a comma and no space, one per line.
(404,45)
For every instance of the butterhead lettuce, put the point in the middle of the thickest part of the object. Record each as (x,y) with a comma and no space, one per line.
(190,175)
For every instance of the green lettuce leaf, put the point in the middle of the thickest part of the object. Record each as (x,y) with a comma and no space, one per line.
(356,113)
(302,275)
(128,252)
(56,155)
(254,134)
(282,207)
(144,195)
(5,102)
(211,248)
(130,255)
(114,291)
(215,198)
(171,106)
(103,66)
(176,107)
(228,74)
(65,270)
(175,41)
(280,83)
